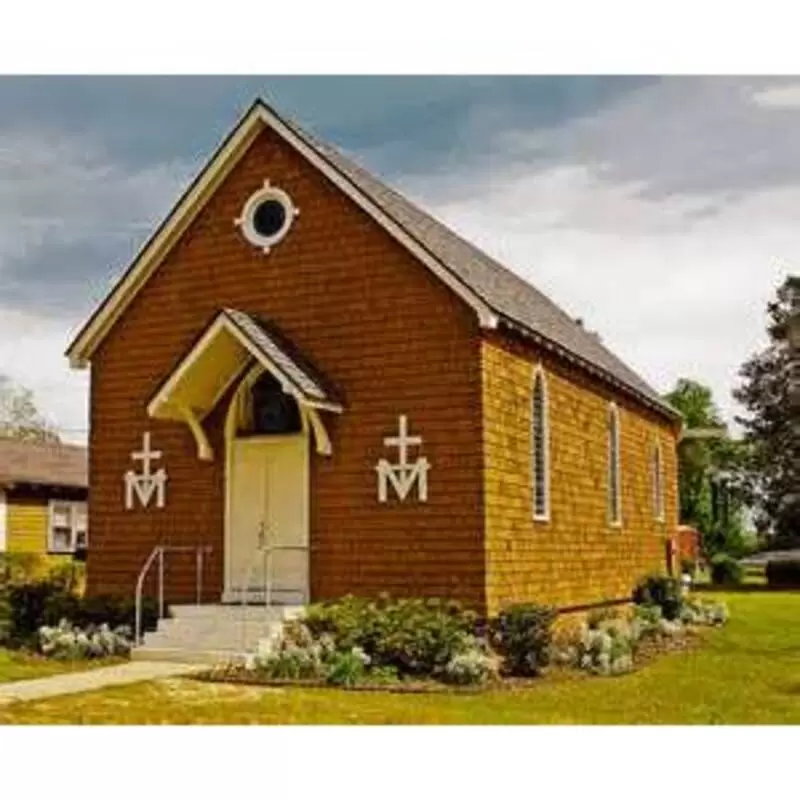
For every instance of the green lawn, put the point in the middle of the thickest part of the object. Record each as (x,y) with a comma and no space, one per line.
(748,672)
(17,666)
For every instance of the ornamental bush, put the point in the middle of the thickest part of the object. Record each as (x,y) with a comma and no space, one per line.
(415,636)
(30,606)
(347,668)
(522,634)
(661,591)
(726,570)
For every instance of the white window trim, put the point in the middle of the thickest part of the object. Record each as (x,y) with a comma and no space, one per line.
(74,507)
(539,373)
(615,518)
(245,221)
(659,504)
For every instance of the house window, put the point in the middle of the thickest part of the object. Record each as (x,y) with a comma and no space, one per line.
(266,217)
(540,441)
(68,528)
(614,494)
(658,484)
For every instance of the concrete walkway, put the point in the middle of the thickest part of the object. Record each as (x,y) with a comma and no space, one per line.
(92,679)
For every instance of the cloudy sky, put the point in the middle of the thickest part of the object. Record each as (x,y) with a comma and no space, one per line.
(662,211)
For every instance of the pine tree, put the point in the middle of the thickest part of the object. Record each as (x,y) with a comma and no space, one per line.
(769,393)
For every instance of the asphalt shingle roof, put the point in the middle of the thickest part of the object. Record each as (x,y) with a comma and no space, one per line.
(513,299)
(281,352)
(43,464)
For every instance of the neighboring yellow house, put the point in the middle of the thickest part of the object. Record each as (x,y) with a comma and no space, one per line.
(43,498)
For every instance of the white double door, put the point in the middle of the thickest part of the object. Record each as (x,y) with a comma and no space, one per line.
(268,494)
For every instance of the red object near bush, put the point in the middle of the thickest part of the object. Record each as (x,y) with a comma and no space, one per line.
(688,543)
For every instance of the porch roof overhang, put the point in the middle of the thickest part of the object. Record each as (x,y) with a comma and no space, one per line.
(233,342)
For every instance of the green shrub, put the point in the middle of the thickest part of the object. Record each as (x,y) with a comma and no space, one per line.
(415,636)
(783,574)
(522,634)
(347,668)
(29,606)
(726,570)
(646,620)
(661,591)
(292,662)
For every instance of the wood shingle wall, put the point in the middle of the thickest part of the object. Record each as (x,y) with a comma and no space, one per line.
(375,321)
(576,557)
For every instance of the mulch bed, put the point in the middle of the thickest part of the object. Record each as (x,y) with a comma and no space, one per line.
(649,649)
(246,678)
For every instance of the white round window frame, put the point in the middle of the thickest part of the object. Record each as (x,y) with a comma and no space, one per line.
(245,221)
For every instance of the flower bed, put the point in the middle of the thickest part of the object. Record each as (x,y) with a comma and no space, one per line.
(433,646)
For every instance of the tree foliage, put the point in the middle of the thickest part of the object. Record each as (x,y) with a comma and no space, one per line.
(710,464)
(772,423)
(19,416)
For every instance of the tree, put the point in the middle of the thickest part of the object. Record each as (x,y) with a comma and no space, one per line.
(710,486)
(19,416)
(769,393)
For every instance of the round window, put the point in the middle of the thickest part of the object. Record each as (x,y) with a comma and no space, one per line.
(267,216)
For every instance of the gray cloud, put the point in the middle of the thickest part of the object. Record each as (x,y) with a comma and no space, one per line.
(661,211)
(70,217)
(699,136)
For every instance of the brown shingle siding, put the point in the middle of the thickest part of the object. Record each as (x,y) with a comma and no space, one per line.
(376,323)
(576,557)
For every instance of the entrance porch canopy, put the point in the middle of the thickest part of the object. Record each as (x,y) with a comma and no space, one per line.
(232,343)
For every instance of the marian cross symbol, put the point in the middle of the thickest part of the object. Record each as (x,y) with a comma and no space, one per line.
(145,484)
(402,475)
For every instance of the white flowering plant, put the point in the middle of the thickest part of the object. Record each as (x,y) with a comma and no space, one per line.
(696,612)
(67,642)
(477,664)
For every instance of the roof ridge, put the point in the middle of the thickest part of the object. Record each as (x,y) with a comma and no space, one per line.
(341,159)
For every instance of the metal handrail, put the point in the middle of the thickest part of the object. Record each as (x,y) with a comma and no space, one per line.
(158,552)
(264,552)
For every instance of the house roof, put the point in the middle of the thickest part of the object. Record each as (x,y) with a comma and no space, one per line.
(44,464)
(289,362)
(230,342)
(499,297)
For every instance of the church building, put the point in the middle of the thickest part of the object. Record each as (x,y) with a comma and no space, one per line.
(302,363)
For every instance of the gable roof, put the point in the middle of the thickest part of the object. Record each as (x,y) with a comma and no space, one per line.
(233,340)
(497,295)
(44,464)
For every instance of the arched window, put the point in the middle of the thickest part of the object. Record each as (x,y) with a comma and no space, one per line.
(273,411)
(540,442)
(614,493)
(658,484)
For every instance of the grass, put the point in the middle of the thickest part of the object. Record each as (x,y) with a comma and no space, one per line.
(19,666)
(746,673)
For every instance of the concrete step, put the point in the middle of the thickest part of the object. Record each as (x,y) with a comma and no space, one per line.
(224,641)
(235,611)
(214,633)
